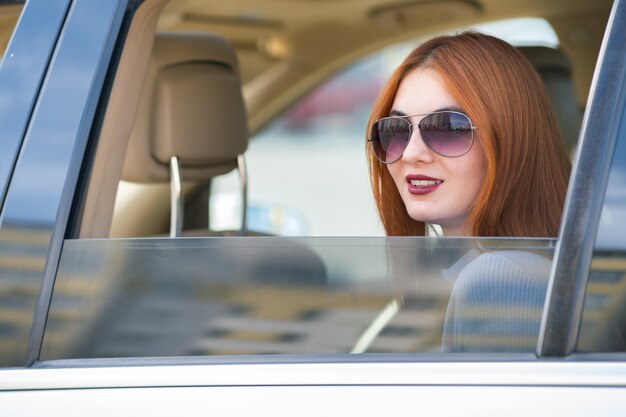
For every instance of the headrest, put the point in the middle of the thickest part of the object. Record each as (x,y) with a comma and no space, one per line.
(554,69)
(191,107)
(545,58)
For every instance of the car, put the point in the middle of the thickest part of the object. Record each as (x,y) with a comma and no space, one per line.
(186,225)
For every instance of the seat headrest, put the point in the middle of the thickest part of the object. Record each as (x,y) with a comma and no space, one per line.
(545,58)
(191,107)
(554,69)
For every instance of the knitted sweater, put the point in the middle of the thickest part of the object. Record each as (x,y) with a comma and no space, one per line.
(496,302)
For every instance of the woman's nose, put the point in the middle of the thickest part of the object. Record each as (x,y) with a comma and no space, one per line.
(417,151)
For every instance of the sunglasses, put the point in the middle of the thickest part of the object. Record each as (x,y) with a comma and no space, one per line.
(447,133)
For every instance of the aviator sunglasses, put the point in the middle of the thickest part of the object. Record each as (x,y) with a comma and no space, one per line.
(447,133)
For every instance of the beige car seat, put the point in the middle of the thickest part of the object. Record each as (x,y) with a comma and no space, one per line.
(191,124)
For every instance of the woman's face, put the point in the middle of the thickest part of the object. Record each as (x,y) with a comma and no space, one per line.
(435,189)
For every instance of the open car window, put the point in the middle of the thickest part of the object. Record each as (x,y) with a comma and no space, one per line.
(307,167)
(213,294)
(207,292)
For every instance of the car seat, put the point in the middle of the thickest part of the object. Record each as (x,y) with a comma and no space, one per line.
(192,126)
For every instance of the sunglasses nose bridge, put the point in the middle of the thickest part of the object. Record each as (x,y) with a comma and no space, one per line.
(414,129)
(416,148)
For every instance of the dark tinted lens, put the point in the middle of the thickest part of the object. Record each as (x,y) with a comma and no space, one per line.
(390,136)
(447,133)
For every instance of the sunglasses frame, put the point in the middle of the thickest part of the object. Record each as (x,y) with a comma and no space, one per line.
(424,115)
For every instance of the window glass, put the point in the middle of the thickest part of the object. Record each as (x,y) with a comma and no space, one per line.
(18,288)
(8,19)
(272,295)
(604,314)
(307,169)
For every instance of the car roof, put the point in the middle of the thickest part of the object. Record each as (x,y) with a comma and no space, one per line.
(285,47)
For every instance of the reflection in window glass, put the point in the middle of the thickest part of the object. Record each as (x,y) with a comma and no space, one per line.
(604,314)
(603,328)
(8,19)
(307,169)
(270,295)
(612,228)
(20,288)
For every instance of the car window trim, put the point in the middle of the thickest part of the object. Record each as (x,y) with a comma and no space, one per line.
(37,32)
(488,357)
(437,373)
(320,358)
(563,308)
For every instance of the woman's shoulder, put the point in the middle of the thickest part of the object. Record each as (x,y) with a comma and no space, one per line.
(496,302)
(513,264)
(503,278)
(510,264)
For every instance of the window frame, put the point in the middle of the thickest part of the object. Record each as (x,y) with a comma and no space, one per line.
(37,31)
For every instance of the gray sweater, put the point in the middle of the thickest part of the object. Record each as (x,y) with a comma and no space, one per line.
(496,302)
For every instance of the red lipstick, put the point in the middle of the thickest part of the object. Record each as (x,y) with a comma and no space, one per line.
(422,184)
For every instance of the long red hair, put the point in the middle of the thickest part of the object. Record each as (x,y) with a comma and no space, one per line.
(527,165)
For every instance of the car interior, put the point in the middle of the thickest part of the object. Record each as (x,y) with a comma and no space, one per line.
(283,52)
(192,109)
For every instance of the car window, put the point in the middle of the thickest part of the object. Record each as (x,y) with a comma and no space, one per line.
(234,296)
(307,168)
(221,295)
(300,295)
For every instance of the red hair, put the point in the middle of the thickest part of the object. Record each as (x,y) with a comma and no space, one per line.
(527,165)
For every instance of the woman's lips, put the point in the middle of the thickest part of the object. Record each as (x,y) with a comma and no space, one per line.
(422,184)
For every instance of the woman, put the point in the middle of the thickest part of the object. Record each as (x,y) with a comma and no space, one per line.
(463,135)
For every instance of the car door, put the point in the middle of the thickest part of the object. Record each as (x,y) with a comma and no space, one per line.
(193,326)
